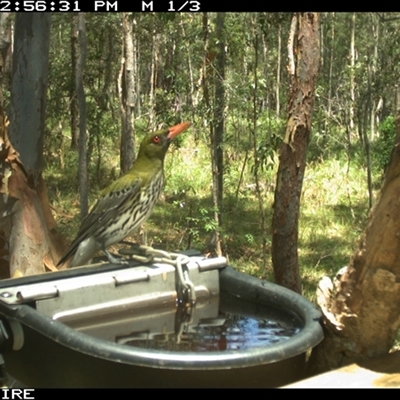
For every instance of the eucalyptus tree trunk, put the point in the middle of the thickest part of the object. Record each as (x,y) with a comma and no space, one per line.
(29,84)
(303,48)
(127,95)
(136,65)
(278,72)
(5,44)
(369,114)
(372,75)
(73,101)
(253,131)
(352,78)
(193,99)
(363,119)
(331,60)
(33,242)
(217,131)
(83,176)
(153,77)
(205,80)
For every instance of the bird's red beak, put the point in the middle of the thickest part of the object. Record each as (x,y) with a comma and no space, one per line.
(177,129)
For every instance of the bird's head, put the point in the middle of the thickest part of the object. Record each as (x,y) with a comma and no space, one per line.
(155,145)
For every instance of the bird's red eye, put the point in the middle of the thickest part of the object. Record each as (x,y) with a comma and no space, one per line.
(156,139)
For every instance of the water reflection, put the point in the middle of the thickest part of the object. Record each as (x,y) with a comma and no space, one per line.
(220,323)
(234,333)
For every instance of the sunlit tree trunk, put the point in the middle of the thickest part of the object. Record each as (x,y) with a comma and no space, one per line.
(29,89)
(83,178)
(33,242)
(73,102)
(5,43)
(368,107)
(153,79)
(127,95)
(352,78)
(278,72)
(254,114)
(218,130)
(330,94)
(373,68)
(193,102)
(136,64)
(303,47)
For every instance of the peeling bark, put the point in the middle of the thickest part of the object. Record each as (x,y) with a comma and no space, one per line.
(127,94)
(28,239)
(29,242)
(303,67)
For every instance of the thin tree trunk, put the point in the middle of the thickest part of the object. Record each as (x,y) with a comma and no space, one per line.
(322,44)
(73,102)
(127,96)
(367,147)
(217,132)
(206,77)
(278,72)
(83,178)
(192,102)
(352,78)
(136,63)
(331,58)
(372,67)
(104,99)
(5,43)
(369,112)
(253,130)
(303,66)
(153,80)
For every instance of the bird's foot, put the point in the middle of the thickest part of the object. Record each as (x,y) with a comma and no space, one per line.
(115,260)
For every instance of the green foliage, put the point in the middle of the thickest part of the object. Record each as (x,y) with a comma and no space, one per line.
(383,145)
(250,238)
(272,133)
(203,222)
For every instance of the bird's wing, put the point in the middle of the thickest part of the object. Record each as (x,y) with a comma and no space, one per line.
(106,208)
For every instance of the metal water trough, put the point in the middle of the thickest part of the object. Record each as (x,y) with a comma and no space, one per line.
(67,328)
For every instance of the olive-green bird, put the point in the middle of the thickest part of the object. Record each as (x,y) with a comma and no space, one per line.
(126,203)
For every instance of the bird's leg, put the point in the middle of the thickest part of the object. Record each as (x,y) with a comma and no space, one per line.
(115,260)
